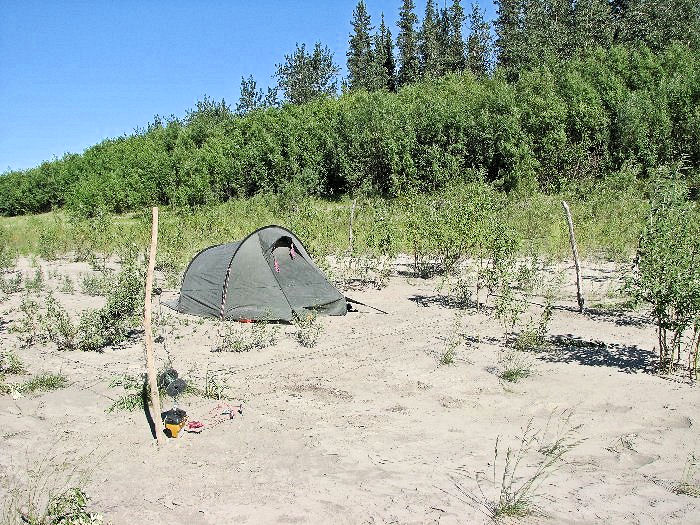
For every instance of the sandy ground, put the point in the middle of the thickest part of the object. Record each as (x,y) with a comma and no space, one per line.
(366,427)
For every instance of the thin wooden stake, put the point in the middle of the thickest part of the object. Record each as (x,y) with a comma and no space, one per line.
(352,220)
(150,361)
(572,240)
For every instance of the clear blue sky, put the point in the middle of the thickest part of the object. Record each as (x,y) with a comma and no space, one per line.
(74,73)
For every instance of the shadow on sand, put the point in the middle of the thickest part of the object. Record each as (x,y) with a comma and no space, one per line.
(629,359)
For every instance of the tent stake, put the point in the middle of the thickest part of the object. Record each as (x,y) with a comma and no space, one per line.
(150,362)
(574,249)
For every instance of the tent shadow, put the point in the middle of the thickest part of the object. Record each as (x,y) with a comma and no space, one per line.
(629,359)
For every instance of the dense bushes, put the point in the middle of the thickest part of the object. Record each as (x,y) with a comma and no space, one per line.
(574,120)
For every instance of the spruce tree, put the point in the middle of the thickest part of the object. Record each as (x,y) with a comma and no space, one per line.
(478,43)
(407,42)
(385,66)
(443,36)
(361,72)
(456,59)
(428,47)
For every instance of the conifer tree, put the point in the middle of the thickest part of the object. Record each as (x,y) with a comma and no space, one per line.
(478,43)
(428,47)
(361,64)
(384,58)
(407,42)
(456,59)
(443,36)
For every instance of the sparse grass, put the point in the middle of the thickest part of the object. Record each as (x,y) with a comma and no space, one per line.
(517,476)
(514,366)
(689,485)
(308,329)
(10,363)
(46,382)
(49,492)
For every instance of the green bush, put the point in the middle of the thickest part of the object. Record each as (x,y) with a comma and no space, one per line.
(667,273)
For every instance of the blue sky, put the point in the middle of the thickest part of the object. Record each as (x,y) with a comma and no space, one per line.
(74,73)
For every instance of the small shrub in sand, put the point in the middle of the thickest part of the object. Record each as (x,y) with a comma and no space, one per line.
(67,285)
(236,337)
(58,326)
(667,274)
(10,285)
(308,329)
(29,325)
(10,363)
(109,325)
(36,283)
(97,284)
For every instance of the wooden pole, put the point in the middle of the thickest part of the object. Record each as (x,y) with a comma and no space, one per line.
(574,249)
(150,361)
(352,220)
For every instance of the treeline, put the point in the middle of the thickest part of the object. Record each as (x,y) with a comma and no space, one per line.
(554,98)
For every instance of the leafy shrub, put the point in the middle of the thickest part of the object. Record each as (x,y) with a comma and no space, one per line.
(308,329)
(58,326)
(69,508)
(237,338)
(8,254)
(35,284)
(97,284)
(667,272)
(109,324)
(67,285)
(29,325)
(11,284)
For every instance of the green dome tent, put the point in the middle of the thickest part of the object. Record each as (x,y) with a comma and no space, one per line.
(269,275)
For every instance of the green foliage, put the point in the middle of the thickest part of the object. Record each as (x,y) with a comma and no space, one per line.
(667,274)
(304,76)
(7,251)
(588,117)
(58,326)
(236,337)
(109,325)
(10,363)
(11,285)
(97,284)
(69,508)
(36,283)
(407,43)
(29,325)
(308,329)
(45,382)
(67,285)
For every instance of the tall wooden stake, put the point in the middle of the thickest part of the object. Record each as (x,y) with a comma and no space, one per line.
(352,220)
(150,361)
(572,240)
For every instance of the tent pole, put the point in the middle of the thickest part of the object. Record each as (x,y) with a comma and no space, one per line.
(150,361)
